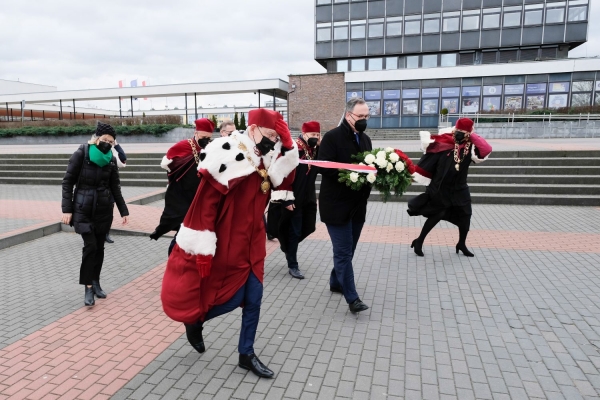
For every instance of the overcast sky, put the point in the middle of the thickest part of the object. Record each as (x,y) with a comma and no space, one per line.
(75,44)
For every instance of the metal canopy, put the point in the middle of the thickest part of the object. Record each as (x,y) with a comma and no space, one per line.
(270,87)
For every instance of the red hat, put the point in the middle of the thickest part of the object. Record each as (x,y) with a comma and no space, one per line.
(264,118)
(311,126)
(464,124)
(205,125)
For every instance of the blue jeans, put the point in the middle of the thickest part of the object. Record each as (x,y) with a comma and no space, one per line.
(294,238)
(344,239)
(251,296)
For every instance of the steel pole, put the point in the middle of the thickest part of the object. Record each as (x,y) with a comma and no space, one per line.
(120,110)
(131,98)
(74,113)
(186,113)
(196,106)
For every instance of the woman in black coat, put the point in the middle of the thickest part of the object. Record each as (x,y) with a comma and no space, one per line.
(93,171)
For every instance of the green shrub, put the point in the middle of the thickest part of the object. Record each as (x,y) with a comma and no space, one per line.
(86,130)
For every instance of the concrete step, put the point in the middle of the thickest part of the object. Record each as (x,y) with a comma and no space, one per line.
(58,181)
(527,170)
(544,162)
(159,174)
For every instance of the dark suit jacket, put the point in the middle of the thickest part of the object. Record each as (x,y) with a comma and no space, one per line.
(338,204)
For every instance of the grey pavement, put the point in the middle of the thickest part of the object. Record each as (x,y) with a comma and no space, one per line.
(54,192)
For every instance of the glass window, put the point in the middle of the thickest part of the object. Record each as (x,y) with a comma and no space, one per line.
(342,65)
(533,17)
(577,14)
(491,21)
(536,102)
(358,65)
(430,61)
(323,1)
(583,86)
(323,34)
(375,30)
(391,63)
(412,62)
(394,28)
(555,15)
(598,99)
(581,99)
(412,27)
(358,31)
(431,26)
(471,22)
(449,60)
(429,106)
(471,90)
(375,64)
(451,24)
(340,33)
(512,19)
(410,93)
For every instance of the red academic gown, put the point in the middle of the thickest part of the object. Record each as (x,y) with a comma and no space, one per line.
(222,238)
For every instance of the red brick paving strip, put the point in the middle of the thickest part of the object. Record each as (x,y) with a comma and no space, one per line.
(93,352)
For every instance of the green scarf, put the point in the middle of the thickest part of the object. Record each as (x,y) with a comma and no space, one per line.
(99,158)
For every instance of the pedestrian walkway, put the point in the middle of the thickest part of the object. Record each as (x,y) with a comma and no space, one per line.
(519,320)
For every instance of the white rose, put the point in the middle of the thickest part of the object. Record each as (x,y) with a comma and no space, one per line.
(370,159)
(394,157)
(389,167)
(360,163)
(381,162)
(381,155)
(354,176)
(371,178)
(400,166)
(389,149)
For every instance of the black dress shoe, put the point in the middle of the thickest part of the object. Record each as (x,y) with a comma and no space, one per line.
(252,363)
(108,239)
(88,298)
(101,294)
(335,289)
(358,306)
(462,247)
(296,273)
(194,337)
(418,246)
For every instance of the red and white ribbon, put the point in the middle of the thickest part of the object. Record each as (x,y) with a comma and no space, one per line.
(365,169)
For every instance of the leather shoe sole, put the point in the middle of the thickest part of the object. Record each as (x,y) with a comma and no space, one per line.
(335,290)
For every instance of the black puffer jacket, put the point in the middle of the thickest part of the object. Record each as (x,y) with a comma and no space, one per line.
(92,203)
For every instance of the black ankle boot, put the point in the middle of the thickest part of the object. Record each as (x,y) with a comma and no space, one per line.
(418,246)
(101,294)
(194,336)
(463,247)
(88,299)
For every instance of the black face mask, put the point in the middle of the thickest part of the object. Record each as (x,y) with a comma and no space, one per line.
(459,136)
(265,146)
(312,142)
(360,125)
(104,147)
(203,142)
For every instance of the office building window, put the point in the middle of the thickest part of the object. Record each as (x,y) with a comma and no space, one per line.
(412,62)
(375,64)
(319,2)
(470,20)
(376,28)
(431,23)
(577,14)
(430,61)
(534,17)
(491,21)
(412,25)
(583,86)
(340,33)
(391,63)
(358,29)
(342,65)
(449,60)
(512,19)
(394,26)
(581,99)
(358,65)
(323,34)
(555,15)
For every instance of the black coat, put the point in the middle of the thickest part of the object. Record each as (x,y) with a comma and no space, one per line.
(338,204)
(96,191)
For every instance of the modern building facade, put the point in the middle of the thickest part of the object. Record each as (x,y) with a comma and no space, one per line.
(412,58)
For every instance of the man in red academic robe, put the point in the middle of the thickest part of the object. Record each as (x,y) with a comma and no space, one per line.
(217,264)
(181,163)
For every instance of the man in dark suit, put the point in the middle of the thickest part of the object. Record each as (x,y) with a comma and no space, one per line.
(342,209)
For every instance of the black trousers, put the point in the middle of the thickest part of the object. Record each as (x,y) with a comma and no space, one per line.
(295,233)
(92,258)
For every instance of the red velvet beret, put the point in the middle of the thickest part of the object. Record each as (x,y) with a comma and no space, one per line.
(464,124)
(264,118)
(311,126)
(205,125)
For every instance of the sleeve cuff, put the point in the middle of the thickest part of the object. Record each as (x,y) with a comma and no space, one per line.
(164,164)
(197,242)
(282,195)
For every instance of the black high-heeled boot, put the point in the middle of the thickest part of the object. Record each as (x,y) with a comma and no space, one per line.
(417,245)
(463,247)
(101,294)
(194,336)
(88,298)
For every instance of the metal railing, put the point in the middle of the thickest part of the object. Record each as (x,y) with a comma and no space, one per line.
(511,117)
